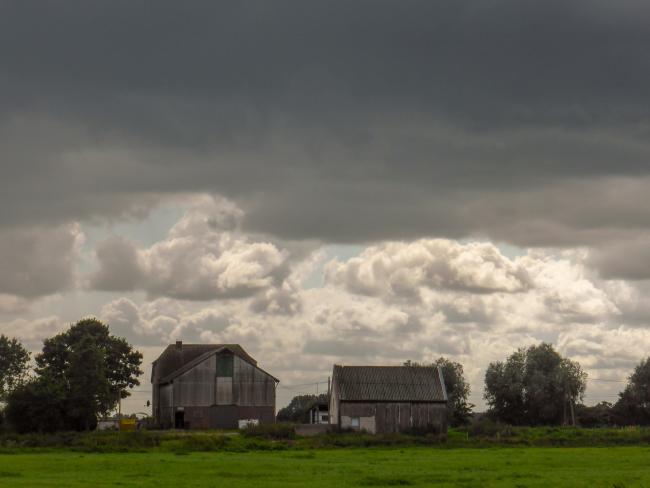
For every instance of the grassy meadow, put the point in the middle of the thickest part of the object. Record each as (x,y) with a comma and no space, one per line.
(507,456)
(411,466)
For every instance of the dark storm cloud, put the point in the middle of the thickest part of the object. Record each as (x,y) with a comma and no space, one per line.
(342,121)
(450,56)
(626,260)
(38,261)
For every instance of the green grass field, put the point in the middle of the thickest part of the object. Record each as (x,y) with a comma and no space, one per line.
(410,466)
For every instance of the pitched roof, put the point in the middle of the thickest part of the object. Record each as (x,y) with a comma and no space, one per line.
(174,358)
(390,383)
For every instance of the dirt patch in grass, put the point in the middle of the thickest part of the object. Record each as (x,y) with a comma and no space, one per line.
(9,474)
(385,481)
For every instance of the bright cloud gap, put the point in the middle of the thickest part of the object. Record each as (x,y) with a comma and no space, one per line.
(209,280)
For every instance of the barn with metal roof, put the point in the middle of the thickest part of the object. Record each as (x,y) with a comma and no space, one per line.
(205,386)
(388,399)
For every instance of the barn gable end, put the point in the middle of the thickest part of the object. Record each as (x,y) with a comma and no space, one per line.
(210,386)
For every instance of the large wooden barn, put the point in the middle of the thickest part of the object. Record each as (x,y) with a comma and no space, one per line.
(388,399)
(209,386)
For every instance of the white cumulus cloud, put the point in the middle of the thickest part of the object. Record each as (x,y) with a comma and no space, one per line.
(205,256)
(403,270)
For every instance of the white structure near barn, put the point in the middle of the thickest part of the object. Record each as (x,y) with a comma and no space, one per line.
(319,413)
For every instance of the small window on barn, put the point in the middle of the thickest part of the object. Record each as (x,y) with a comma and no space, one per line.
(354,422)
(224,365)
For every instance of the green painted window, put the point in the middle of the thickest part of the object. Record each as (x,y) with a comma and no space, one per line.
(224,365)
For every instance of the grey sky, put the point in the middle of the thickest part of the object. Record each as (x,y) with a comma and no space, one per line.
(376,119)
(290,164)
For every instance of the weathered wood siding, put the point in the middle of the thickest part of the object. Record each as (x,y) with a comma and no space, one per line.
(253,387)
(166,402)
(195,387)
(224,391)
(217,392)
(392,417)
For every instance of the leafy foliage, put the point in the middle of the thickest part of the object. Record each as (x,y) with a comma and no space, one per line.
(298,408)
(37,406)
(633,406)
(121,361)
(14,360)
(89,391)
(535,386)
(81,374)
(459,410)
(270,431)
(599,415)
(482,432)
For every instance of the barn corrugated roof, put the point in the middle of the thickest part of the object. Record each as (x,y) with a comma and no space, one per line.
(189,365)
(175,357)
(390,383)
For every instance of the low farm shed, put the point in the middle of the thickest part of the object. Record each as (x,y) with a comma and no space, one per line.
(388,399)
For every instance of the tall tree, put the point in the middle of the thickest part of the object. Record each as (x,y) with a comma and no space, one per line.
(633,405)
(37,406)
(14,364)
(81,374)
(535,385)
(459,409)
(121,363)
(504,388)
(89,391)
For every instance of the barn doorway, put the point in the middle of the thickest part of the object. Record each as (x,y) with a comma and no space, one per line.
(179,420)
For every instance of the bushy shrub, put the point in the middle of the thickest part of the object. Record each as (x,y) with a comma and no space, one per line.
(270,431)
(259,444)
(91,442)
(486,427)
(37,406)
(424,430)
(115,441)
(201,443)
(362,439)
(600,415)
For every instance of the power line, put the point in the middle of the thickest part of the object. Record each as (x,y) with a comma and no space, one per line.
(314,383)
(286,387)
(324,382)
(606,380)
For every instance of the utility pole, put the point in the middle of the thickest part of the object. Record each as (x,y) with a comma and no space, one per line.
(569,399)
(119,416)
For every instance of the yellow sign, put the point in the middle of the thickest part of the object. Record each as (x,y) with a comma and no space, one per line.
(127,424)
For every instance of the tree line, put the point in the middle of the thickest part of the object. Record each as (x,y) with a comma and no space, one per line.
(84,372)
(80,374)
(533,386)
(537,386)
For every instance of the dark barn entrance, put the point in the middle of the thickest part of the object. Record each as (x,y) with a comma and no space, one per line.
(179,420)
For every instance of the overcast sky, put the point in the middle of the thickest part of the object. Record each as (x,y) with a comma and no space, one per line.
(356,182)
